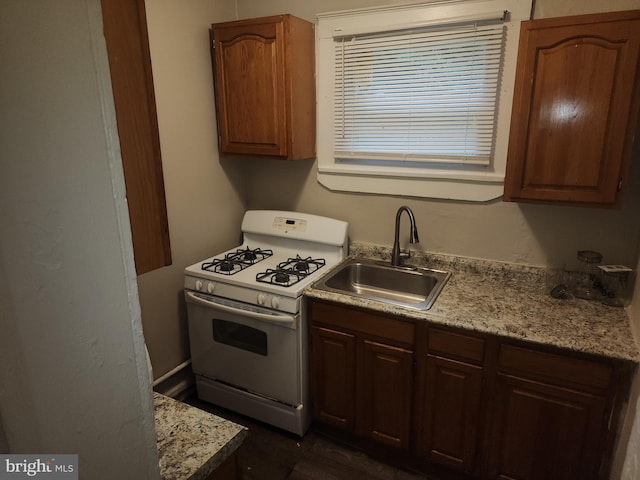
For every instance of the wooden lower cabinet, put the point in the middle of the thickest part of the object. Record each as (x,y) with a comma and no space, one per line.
(546,432)
(333,373)
(228,470)
(360,383)
(449,405)
(386,394)
(551,416)
(477,405)
(451,418)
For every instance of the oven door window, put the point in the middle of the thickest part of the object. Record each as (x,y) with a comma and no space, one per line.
(240,336)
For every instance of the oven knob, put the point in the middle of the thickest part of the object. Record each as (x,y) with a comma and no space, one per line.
(211,287)
(199,285)
(275,302)
(261,299)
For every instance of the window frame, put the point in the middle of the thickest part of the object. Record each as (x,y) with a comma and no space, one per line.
(461,182)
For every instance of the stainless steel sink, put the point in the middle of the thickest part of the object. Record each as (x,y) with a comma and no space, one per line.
(412,287)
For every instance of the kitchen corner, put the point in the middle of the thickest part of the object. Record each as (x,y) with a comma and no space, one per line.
(193,444)
(542,378)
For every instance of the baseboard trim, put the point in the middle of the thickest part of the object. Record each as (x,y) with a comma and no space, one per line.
(178,386)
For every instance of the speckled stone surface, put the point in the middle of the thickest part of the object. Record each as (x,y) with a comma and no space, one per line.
(192,443)
(507,300)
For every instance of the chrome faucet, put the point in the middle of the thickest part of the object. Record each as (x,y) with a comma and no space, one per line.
(413,236)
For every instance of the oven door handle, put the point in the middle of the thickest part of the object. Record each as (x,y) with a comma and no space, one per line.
(283,320)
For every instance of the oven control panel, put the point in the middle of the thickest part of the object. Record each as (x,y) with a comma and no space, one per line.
(264,299)
(290,224)
(200,286)
(273,301)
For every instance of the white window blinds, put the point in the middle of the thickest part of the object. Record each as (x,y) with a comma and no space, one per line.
(412,96)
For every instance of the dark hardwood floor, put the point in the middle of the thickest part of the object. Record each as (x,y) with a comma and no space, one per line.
(269,453)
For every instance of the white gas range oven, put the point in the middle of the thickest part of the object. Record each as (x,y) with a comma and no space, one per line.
(247,324)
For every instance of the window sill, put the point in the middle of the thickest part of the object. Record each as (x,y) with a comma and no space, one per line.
(466,187)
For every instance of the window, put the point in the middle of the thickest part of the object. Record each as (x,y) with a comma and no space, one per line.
(416,100)
(419,95)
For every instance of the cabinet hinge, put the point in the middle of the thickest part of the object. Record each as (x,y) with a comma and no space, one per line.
(620,184)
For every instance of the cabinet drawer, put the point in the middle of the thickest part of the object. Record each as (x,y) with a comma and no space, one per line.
(548,366)
(450,344)
(363,322)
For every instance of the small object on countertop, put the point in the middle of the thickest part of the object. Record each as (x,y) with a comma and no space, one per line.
(615,285)
(589,256)
(584,288)
(560,291)
(614,268)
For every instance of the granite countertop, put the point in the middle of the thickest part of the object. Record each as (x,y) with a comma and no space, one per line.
(510,301)
(192,443)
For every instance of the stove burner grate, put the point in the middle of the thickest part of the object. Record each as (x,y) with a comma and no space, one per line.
(291,271)
(234,262)
(307,265)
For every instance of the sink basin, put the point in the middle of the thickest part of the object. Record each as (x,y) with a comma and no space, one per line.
(408,286)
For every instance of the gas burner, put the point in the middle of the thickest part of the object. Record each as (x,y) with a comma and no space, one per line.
(280,276)
(291,271)
(249,255)
(226,266)
(237,261)
(301,265)
(307,265)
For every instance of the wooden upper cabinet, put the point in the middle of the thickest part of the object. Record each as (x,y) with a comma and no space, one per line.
(265,87)
(575,109)
(125,31)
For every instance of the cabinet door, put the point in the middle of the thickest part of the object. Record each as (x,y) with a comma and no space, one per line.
(125,33)
(546,432)
(575,108)
(451,414)
(333,365)
(250,88)
(384,412)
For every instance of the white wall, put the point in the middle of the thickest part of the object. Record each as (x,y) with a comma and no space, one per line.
(73,375)
(204,195)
